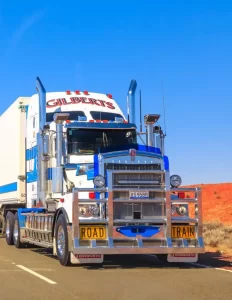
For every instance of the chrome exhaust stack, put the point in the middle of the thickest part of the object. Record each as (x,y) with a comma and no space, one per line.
(57,173)
(43,146)
(131,102)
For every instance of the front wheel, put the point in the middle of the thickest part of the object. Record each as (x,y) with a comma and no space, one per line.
(61,236)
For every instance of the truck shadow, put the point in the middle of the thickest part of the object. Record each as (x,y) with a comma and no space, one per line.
(211,259)
(215,259)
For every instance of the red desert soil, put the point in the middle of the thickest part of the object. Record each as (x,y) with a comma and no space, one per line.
(216,202)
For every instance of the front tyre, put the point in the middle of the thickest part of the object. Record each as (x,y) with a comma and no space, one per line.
(16,232)
(9,228)
(61,236)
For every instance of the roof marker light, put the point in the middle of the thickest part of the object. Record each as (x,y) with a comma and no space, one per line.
(91,121)
(105,121)
(68,92)
(110,96)
(77,92)
(68,121)
(98,121)
(86,93)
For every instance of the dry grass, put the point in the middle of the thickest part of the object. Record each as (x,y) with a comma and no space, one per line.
(217,235)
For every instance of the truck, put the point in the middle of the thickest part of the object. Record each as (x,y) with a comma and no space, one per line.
(78,177)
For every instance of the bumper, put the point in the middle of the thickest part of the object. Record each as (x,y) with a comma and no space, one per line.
(140,247)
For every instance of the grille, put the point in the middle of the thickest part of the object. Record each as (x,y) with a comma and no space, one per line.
(140,211)
(132,167)
(133,180)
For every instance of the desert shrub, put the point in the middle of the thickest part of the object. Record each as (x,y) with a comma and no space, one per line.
(217,234)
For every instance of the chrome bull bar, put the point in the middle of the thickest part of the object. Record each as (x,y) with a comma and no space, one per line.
(125,245)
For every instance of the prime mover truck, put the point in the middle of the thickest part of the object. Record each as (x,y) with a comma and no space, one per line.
(78,177)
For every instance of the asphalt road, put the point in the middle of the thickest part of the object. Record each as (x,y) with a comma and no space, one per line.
(35,274)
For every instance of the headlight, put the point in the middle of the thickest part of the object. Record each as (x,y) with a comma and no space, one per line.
(89,210)
(99,181)
(181,210)
(94,210)
(175,181)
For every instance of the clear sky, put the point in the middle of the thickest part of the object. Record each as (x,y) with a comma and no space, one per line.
(101,45)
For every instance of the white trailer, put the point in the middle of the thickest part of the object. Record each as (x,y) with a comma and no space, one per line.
(74,178)
(12,158)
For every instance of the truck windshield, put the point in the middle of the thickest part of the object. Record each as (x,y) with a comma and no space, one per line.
(90,141)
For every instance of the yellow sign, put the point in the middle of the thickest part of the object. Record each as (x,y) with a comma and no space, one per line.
(183,232)
(92,233)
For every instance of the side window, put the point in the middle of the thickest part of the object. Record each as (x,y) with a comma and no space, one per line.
(34,122)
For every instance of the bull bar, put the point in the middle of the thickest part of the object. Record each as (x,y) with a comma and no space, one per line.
(139,245)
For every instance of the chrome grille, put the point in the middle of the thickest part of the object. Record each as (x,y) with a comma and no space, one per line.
(133,180)
(141,211)
(132,167)
(129,180)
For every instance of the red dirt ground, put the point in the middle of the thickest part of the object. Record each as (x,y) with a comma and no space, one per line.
(216,202)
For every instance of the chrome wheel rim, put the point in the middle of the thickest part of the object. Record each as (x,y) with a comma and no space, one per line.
(8,228)
(16,231)
(60,240)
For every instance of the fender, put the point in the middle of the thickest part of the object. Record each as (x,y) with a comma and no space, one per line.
(58,212)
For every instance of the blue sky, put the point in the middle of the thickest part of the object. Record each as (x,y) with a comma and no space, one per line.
(101,45)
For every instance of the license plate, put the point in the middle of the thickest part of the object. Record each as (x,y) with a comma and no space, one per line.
(92,233)
(183,257)
(139,195)
(183,232)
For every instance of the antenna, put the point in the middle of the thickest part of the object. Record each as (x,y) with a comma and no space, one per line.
(140,100)
(164,109)
(128,110)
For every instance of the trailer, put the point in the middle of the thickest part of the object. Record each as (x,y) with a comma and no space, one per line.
(75,178)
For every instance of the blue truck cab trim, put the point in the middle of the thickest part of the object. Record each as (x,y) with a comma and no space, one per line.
(166,163)
(125,152)
(31,153)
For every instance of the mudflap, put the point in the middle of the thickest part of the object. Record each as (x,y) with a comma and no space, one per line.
(183,257)
(86,258)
